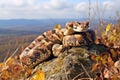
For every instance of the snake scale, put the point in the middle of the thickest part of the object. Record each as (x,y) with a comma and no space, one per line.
(46,44)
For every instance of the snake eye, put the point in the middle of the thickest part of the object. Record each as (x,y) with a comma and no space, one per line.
(75,27)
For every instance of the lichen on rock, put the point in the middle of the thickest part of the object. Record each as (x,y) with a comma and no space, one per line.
(68,64)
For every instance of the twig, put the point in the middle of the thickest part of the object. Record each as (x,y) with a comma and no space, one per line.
(85,79)
(14,52)
(6,55)
(85,70)
(12,55)
(78,76)
(101,74)
(98,10)
(66,74)
(89,10)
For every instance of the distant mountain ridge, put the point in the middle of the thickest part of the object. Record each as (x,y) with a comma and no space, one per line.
(31,22)
(5,32)
(30,26)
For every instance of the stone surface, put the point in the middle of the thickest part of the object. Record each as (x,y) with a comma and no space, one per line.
(68,64)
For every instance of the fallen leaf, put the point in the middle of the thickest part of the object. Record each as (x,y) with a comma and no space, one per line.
(58,26)
(39,75)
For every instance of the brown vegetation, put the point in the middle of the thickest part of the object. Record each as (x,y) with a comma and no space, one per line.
(103,65)
(8,44)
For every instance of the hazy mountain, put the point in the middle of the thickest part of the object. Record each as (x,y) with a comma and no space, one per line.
(4,32)
(26,26)
(22,24)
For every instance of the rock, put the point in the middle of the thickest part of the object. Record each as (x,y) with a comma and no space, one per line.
(68,64)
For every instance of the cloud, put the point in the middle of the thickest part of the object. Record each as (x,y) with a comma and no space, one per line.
(81,6)
(109,5)
(56,4)
(9,3)
(36,9)
(16,3)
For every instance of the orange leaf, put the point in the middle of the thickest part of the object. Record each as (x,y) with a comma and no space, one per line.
(1,66)
(5,75)
(118,51)
(28,71)
(58,26)
(93,57)
(9,61)
(110,61)
(39,75)
(114,53)
(94,67)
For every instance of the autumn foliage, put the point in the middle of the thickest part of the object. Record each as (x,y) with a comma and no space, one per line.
(11,69)
(105,65)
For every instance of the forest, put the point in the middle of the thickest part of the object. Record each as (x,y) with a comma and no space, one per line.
(8,44)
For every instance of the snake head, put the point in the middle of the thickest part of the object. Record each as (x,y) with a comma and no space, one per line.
(81,26)
(72,27)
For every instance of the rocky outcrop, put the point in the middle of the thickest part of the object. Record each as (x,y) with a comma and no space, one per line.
(71,64)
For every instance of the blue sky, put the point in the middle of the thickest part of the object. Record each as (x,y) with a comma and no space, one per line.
(42,9)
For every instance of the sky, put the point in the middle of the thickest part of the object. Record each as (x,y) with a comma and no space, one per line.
(45,9)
